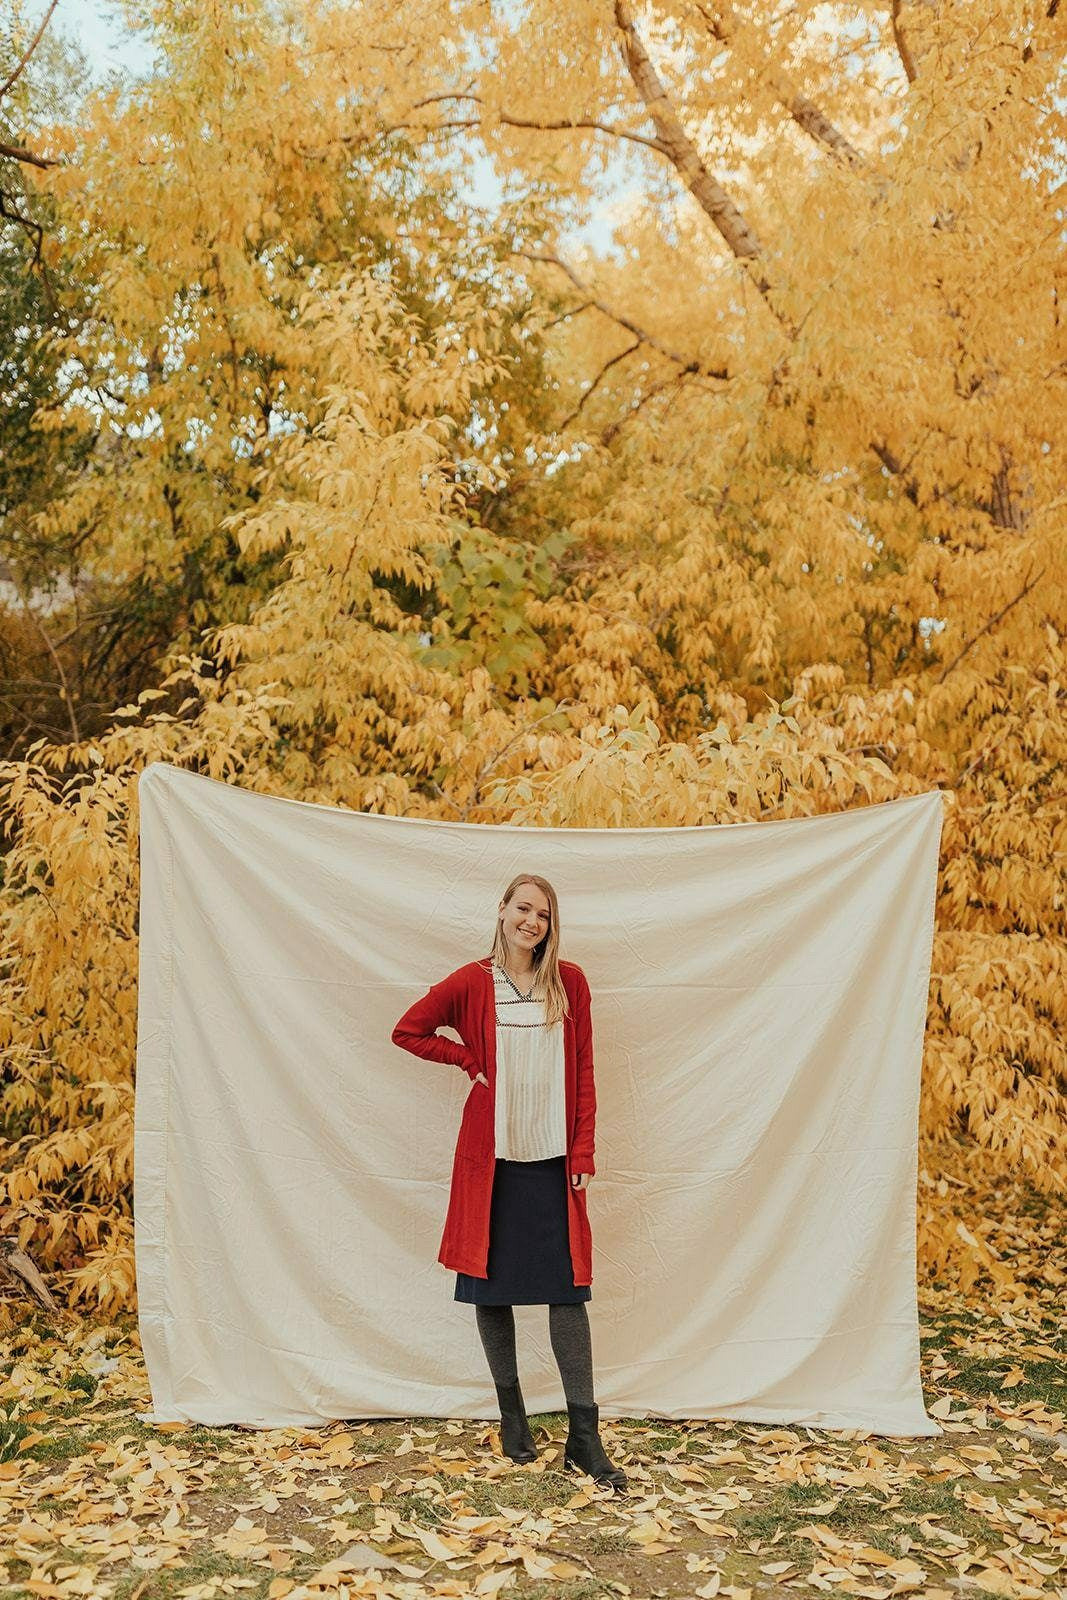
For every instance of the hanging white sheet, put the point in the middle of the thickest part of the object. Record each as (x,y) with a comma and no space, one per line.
(759,1000)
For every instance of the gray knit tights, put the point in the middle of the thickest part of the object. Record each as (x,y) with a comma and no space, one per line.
(568,1329)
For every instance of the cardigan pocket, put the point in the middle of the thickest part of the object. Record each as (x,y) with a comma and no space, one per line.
(475,1141)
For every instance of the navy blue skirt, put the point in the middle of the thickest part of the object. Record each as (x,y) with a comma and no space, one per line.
(529,1250)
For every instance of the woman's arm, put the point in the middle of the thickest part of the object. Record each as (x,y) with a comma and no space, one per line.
(417,1029)
(585,1103)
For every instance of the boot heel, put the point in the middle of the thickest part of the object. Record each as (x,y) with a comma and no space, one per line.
(516,1440)
(583,1439)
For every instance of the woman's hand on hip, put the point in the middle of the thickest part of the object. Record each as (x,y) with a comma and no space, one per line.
(480,1077)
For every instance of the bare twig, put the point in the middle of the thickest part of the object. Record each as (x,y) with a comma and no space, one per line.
(608,434)
(687,363)
(539,126)
(491,761)
(986,750)
(65,687)
(986,627)
(567,420)
(575,311)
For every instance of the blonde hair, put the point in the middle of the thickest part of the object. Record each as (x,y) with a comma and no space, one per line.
(547,983)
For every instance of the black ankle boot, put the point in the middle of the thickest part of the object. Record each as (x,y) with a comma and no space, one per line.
(516,1440)
(584,1449)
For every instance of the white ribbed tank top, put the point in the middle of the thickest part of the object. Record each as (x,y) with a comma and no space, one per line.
(530,1115)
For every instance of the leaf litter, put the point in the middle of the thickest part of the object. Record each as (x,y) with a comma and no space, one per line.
(95,1501)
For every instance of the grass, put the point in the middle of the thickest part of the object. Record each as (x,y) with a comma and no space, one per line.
(94,1501)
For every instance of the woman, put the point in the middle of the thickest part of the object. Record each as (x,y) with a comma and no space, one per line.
(517,1229)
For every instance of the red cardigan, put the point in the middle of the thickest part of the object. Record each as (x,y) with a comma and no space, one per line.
(465,1001)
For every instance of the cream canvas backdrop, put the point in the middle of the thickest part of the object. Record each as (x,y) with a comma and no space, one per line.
(759,997)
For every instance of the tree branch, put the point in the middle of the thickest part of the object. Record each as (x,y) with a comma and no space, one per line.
(492,760)
(567,420)
(907,60)
(538,126)
(608,434)
(730,223)
(687,363)
(986,628)
(35,41)
(573,312)
(15,152)
(33,229)
(722,25)
(50,647)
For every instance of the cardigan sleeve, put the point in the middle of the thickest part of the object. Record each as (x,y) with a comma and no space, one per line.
(417,1029)
(585,1103)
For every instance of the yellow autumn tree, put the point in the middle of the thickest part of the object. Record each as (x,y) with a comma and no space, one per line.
(756,516)
(807,413)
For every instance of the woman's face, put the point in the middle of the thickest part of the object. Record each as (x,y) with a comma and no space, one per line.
(525,917)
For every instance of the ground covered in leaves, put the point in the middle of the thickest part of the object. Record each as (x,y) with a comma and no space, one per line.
(95,1502)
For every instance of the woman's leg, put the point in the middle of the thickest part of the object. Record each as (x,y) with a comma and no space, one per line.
(572,1346)
(496,1326)
(568,1327)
